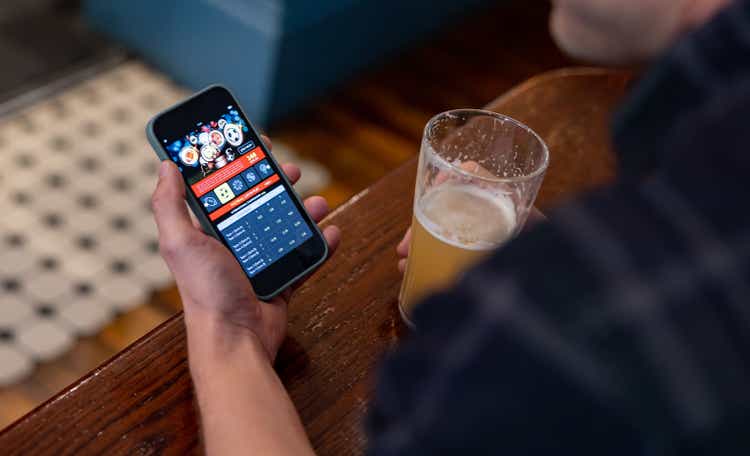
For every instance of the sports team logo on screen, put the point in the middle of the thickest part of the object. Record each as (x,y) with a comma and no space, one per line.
(211,146)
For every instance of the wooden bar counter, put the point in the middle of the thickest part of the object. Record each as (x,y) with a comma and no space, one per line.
(342,321)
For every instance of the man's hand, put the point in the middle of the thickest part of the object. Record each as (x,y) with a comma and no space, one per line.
(233,337)
(212,284)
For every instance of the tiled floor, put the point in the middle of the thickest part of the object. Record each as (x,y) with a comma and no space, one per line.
(78,242)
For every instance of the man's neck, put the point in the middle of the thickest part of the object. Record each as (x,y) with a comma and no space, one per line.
(703,66)
(698,12)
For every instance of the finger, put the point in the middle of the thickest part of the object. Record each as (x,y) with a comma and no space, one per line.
(292,172)
(267,141)
(469,166)
(168,203)
(332,234)
(476,169)
(402,265)
(403,247)
(317,207)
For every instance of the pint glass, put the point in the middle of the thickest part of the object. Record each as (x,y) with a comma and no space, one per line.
(479,173)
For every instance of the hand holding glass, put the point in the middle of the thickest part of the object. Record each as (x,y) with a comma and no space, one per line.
(479,173)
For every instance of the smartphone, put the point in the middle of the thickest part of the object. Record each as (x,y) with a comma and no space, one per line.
(237,190)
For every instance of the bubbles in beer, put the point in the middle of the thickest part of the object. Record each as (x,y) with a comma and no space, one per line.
(467,216)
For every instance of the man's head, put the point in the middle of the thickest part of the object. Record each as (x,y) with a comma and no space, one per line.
(625,31)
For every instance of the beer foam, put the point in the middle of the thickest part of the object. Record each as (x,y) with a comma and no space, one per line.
(467,216)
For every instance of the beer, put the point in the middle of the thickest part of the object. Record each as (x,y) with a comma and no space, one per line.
(454,226)
(478,174)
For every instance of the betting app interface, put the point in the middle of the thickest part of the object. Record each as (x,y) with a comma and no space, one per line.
(240,190)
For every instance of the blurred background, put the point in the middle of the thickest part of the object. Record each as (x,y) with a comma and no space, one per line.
(344,88)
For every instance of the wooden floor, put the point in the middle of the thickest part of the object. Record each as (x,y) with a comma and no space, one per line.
(359,133)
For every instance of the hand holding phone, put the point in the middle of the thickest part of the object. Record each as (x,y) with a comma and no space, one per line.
(256,237)
(212,284)
(237,190)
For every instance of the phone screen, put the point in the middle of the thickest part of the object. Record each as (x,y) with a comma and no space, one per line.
(239,188)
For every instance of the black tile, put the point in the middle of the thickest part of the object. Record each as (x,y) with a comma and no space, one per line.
(120,223)
(120,267)
(55,180)
(122,148)
(7,335)
(15,239)
(152,246)
(83,288)
(11,285)
(122,184)
(25,159)
(86,242)
(46,310)
(90,163)
(21,198)
(88,201)
(53,220)
(49,263)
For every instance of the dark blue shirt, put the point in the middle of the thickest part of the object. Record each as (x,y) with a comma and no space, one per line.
(621,326)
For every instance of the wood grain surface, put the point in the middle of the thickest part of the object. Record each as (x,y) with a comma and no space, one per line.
(361,131)
(341,322)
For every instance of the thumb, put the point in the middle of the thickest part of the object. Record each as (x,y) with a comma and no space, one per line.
(170,212)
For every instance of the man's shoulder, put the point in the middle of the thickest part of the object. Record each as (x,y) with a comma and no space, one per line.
(578,322)
(491,364)
(611,327)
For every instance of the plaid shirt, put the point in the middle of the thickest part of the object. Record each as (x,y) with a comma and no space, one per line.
(621,326)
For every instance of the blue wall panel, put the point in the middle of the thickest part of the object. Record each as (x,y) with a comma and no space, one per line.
(275,55)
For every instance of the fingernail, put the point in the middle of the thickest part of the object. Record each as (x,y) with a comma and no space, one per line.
(163,168)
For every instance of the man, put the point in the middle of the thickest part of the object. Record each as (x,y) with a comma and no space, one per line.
(620,326)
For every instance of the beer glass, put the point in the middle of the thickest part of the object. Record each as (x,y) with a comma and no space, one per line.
(479,173)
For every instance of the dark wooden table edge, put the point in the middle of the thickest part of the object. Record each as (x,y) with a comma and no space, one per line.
(94,372)
(176,319)
(556,74)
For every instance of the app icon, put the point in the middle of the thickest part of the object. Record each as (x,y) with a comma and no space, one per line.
(210,202)
(189,155)
(237,185)
(209,152)
(264,168)
(250,177)
(224,193)
(217,139)
(233,133)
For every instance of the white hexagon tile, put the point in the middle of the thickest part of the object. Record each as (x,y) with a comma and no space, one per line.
(78,244)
